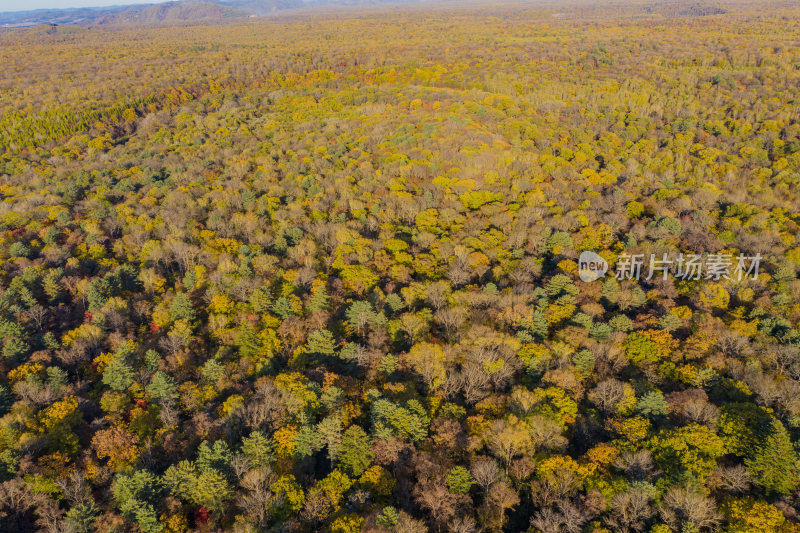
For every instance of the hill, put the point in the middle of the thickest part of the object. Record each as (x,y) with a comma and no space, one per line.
(182,10)
(171,12)
(262,7)
(87,15)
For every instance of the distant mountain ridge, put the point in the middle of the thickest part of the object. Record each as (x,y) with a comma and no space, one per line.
(262,7)
(176,11)
(171,12)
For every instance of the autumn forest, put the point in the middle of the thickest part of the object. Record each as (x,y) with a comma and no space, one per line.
(321,271)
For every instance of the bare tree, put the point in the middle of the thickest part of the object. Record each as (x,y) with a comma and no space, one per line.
(607,395)
(692,405)
(630,511)
(74,488)
(565,517)
(486,472)
(682,506)
(264,408)
(23,510)
(463,524)
(637,464)
(451,318)
(257,501)
(407,524)
(735,479)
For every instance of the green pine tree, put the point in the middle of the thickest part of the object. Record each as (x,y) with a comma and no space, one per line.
(118,375)
(261,300)
(181,308)
(321,342)
(356,451)
(774,462)
(318,300)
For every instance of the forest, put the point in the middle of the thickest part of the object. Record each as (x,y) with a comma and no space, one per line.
(319,271)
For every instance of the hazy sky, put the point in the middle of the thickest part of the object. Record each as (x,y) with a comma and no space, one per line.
(27,5)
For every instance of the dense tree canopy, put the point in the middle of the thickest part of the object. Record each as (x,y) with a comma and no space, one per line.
(320,273)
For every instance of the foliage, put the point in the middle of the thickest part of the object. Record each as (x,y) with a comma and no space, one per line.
(321,273)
